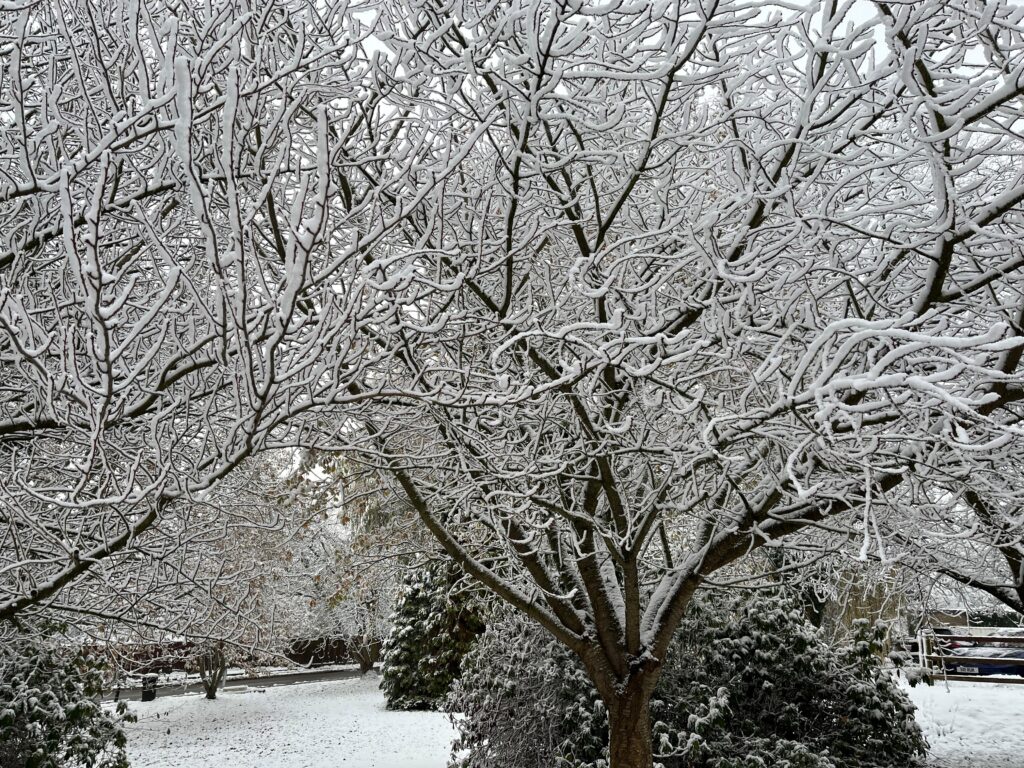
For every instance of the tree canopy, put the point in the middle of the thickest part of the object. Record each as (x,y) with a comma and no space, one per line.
(616,293)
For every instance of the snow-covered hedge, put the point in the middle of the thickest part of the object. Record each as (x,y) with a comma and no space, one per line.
(749,684)
(50,711)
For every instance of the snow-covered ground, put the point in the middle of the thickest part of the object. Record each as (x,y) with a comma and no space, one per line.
(972,725)
(344,723)
(310,725)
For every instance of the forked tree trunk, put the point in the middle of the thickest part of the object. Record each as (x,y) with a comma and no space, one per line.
(213,666)
(629,730)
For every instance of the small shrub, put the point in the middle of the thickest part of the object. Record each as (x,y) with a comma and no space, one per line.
(50,711)
(524,702)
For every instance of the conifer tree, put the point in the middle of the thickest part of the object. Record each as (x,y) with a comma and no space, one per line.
(434,625)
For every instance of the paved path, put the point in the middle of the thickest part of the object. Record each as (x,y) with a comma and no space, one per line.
(173,689)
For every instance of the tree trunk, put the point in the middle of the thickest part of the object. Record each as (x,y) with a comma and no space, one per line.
(212,668)
(367,654)
(629,730)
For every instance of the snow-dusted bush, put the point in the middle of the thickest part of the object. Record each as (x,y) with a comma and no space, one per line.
(50,711)
(524,702)
(767,691)
(749,684)
(434,624)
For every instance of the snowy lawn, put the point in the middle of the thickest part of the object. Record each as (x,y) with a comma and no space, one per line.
(972,725)
(344,723)
(310,725)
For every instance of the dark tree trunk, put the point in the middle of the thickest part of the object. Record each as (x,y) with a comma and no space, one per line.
(628,705)
(629,730)
(213,666)
(367,654)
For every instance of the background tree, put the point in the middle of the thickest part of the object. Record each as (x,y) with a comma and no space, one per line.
(187,196)
(213,667)
(969,535)
(358,543)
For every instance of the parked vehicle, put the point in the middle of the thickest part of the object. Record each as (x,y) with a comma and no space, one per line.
(980,651)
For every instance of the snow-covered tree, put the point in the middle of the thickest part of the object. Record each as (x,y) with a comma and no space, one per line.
(715,275)
(435,623)
(616,294)
(347,561)
(213,668)
(188,198)
(970,534)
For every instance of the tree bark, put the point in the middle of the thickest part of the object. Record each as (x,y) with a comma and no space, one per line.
(367,653)
(212,668)
(629,729)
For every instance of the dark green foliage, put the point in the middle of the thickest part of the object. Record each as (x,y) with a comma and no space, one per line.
(50,715)
(524,702)
(434,624)
(747,685)
(767,691)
